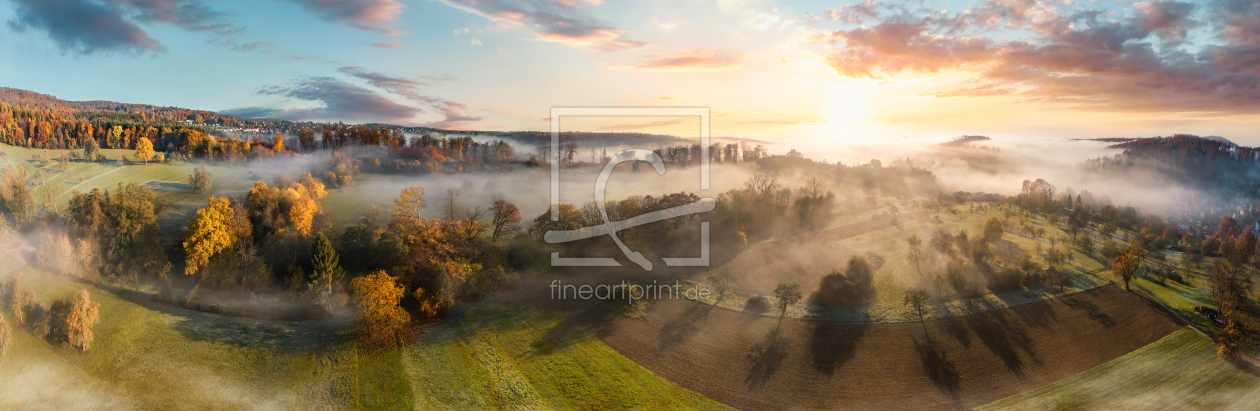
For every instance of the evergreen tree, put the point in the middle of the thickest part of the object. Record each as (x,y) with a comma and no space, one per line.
(326,272)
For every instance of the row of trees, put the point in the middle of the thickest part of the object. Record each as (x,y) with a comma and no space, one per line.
(68,319)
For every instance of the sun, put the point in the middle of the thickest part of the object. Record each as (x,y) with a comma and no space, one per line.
(847,111)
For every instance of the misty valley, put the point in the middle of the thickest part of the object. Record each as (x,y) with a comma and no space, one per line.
(629,205)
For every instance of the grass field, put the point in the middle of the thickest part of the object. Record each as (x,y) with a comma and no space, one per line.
(1180,371)
(897,272)
(151,356)
(527,356)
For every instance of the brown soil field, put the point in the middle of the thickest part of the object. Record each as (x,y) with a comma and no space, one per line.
(752,362)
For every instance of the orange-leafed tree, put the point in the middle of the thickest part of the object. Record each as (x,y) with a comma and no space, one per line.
(1128,261)
(382,320)
(84,313)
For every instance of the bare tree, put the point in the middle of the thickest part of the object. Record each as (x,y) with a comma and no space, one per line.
(451,208)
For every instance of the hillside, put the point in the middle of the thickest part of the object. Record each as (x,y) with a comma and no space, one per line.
(1207,162)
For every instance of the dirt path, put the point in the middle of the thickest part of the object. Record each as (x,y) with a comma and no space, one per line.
(956,363)
(17,247)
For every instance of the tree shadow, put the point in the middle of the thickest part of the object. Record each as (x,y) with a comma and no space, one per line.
(831,345)
(957,328)
(682,327)
(765,358)
(559,338)
(1038,315)
(1091,310)
(1004,338)
(938,367)
(595,316)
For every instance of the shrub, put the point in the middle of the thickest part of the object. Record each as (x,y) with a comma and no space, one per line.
(1176,277)
(1011,278)
(759,305)
(852,287)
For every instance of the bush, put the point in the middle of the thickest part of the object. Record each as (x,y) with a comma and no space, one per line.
(1176,277)
(1011,278)
(759,305)
(852,287)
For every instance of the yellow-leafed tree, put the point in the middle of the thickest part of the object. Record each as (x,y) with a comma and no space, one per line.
(144,149)
(383,320)
(83,314)
(409,202)
(209,232)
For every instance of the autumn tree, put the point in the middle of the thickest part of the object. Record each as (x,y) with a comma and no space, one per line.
(209,233)
(993,229)
(1128,261)
(1058,278)
(376,217)
(916,252)
(1230,291)
(326,272)
(410,202)
(451,205)
(507,218)
(917,298)
(144,149)
(787,294)
(382,320)
(79,321)
(721,282)
(200,179)
(6,337)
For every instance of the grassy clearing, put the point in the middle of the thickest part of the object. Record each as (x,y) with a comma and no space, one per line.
(146,356)
(528,356)
(157,357)
(899,273)
(1180,371)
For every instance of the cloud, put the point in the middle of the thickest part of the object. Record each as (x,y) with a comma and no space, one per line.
(564,22)
(398,85)
(454,113)
(664,25)
(647,124)
(392,44)
(259,46)
(370,15)
(342,102)
(83,26)
(251,112)
(1070,56)
(88,26)
(689,60)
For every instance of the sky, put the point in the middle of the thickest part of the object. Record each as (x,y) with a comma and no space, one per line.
(806,70)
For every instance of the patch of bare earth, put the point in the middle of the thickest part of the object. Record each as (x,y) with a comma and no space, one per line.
(752,362)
